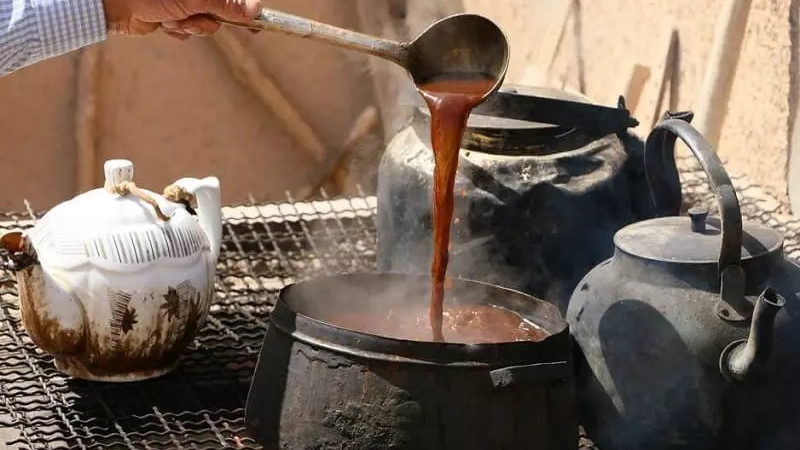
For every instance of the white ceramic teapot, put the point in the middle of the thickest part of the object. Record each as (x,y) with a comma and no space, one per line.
(116,282)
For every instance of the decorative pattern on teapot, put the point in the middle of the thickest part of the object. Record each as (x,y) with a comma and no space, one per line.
(116,282)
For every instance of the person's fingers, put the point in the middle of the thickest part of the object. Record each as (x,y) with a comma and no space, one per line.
(179,35)
(171,26)
(199,24)
(140,28)
(233,10)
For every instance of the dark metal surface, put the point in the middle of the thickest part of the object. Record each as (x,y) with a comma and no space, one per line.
(654,332)
(524,201)
(460,44)
(515,108)
(673,240)
(660,146)
(763,244)
(560,110)
(321,387)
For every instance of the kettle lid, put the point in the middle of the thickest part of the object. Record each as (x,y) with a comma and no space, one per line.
(489,130)
(692,240)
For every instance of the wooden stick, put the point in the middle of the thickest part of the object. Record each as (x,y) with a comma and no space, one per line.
(247,71)
(88,83)
(669,75)
(580,64)
(712,105)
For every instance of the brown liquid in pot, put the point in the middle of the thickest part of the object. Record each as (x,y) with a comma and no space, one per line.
(472,324)
(450,101)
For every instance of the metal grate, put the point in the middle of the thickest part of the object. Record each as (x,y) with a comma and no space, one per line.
(200,406)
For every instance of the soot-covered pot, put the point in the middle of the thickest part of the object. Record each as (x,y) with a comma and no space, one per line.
(690,334)
(115,282)
(317,386)
(537,201)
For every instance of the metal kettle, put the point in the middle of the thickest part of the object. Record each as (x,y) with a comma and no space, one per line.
(687,333)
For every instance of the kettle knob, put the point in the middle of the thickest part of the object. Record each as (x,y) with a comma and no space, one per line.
(698,215)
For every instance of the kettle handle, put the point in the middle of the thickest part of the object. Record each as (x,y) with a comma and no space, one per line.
(660,144)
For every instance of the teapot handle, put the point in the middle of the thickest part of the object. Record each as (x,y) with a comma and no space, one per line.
(660,144)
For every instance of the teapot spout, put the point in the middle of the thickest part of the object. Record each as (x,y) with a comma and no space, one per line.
(209,205)
(21,253)
(51,314)
(742,361)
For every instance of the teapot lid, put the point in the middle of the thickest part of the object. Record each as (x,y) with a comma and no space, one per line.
(692,240)
(119,224)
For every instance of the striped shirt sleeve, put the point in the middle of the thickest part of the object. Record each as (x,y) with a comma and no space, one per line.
(34,30)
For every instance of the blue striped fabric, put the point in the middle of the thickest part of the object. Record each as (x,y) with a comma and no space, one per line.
(33,30)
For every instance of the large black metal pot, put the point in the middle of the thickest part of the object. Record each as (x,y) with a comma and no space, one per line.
(537,201)
(317,386)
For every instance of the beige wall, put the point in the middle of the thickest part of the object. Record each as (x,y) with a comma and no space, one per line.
(175,109)
(618,33)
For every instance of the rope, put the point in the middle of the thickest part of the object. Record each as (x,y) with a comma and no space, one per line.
(128,187)
(177,194)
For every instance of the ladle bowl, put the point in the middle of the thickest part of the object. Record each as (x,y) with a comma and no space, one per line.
(461,45)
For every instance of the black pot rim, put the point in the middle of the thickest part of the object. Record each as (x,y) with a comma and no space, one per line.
(317,333)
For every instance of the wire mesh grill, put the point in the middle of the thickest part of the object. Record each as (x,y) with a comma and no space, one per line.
(200,406)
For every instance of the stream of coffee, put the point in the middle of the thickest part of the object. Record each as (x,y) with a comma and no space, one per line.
(450,101)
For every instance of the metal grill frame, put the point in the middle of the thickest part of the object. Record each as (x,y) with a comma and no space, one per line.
(201,405)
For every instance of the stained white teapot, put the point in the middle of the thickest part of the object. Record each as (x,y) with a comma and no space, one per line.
(116,282)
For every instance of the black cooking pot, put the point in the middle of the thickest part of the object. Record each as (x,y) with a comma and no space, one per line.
(544,180)
(318,386)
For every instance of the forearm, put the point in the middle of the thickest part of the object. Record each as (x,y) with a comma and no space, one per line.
(33,30)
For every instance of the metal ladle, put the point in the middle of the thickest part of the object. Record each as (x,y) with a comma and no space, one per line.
(456,46)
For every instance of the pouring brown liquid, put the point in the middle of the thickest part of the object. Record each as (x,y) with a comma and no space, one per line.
(450,101)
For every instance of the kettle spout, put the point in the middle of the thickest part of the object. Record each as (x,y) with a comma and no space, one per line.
(744,360)
(21,253)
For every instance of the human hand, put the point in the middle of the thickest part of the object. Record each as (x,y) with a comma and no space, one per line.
(178,18)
